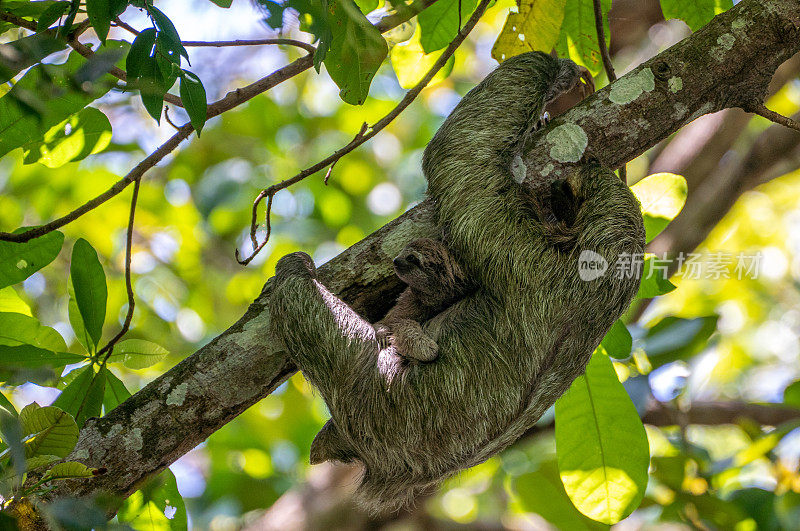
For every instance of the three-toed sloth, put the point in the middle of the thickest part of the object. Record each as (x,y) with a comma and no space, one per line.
(513,343)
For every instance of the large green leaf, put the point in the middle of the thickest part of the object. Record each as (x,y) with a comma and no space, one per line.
(17,329)
(655,279)
(411,63)
(12,303)
(578,38)
(662,196)
(82,134)
(535,26)
(137,353)
(83,397)
(18,261)
(193,95)
(618,341)
(148,507)
(70,470)
(28,356)
(675,338)
(357,50)
(696,13)
(48,94)
(542,493)
(440,23)
(48,430)
(603,453)
(89,282)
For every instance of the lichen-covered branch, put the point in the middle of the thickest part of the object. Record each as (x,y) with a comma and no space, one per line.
(726,64)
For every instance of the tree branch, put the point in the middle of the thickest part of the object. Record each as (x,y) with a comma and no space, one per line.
(182,407)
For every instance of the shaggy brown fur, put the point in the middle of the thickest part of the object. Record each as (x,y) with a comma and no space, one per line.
(508,350)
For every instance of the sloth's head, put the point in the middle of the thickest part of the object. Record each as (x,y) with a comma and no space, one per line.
(430,271)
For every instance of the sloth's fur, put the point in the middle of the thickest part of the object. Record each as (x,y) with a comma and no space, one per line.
(508,350)
(435,281)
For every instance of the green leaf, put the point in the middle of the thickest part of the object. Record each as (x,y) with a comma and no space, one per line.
(48,430)
(603,453)
(89,282)
(25,52)
(791,395)
(151,88)
(82,134)
(225,4)
(47,95)
(618,342)
(115,393)
(411,63)
(696,13)
(24,9)
(367,6)
(141,51)
(40,461)
(18,261)
(167,30)
(18,329)
(70,470)
(440,24)
(662,196)
(541,492)
(146,508)
(654,279)
(578,38)
(28,356)
(357,50)
(193,95)
(76,321)
(83,397)
(12,303)
(137,353)
(538,22)
(674,338)
(100,15)
(6,404)
(51,14)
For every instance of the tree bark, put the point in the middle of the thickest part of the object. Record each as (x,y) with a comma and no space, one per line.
(728,63)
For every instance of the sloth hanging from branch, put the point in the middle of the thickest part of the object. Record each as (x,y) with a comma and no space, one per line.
(496,322)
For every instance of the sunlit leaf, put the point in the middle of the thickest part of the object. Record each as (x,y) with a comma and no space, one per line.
(11,302)
(6,404)
(138,353)
(157,505)
(357,50)
(82,134)
(89,282)
(578,38)
(662,196)
(83,397)
(696,13)
(18,261)
(534,26)
(603,453)
(18,329)
(48,430)
(411,63)
(791,395)
(193,95)
(439,23)
(617,341)
(655,279)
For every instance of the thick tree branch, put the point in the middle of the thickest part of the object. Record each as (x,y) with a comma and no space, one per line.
(708,71)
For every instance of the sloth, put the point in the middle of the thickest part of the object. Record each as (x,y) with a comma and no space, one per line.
(507,349)
(435,281)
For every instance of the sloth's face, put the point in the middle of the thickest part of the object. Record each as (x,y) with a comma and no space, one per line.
(425,265)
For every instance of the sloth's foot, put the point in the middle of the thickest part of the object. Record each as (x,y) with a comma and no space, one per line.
(297,264)
(418,347)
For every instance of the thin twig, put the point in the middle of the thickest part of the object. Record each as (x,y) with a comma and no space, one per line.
(607,65)
(168,120)
(761,110)
(366,132)
(109,348)
(127,27)
(250,42)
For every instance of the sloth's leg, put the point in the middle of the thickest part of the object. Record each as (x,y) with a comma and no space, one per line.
(322,334)
(412,342)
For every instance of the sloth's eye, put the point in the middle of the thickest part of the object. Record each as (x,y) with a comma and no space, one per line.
(412,259)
